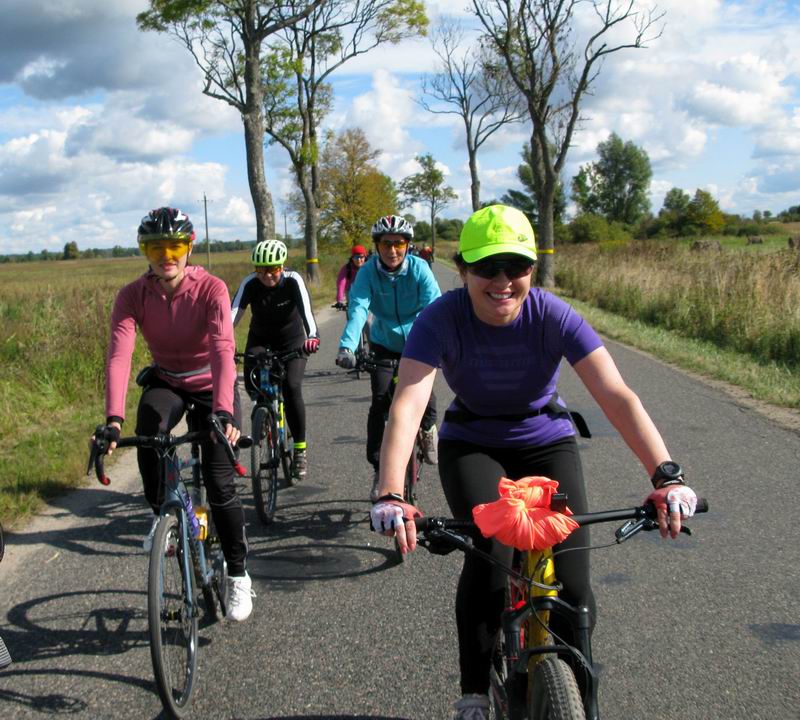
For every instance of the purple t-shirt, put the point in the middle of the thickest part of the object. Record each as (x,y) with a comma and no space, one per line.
(505,370)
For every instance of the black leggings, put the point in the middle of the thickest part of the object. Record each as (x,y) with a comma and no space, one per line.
(469,475)
(161,408)
(292,392)
(381,383)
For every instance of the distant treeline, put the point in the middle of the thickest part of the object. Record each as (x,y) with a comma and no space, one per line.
(71,251)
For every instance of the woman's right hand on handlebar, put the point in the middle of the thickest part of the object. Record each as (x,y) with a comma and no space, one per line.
(395,518)
(109,433)
(346,359)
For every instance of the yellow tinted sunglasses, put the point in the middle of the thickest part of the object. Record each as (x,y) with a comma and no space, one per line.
(156,250)
(268,269)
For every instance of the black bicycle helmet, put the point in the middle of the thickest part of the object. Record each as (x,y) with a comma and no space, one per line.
(392,225)
(166,223)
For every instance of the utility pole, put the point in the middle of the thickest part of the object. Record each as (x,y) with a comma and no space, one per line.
(285,231)
(208,245)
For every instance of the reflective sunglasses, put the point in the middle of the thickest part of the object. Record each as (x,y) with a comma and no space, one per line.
(512,268)
(399,244)
(269,270)
(171,250)
(359,257)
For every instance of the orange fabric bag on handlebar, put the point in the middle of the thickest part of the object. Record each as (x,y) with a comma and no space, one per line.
(522,517)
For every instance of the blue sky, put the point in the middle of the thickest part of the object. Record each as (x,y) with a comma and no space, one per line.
(99,122)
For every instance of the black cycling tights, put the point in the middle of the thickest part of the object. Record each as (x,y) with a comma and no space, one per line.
(381,383)
(292,392)
(161,408)
(469,476)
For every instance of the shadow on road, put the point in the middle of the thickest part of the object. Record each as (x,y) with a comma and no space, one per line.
(122,521)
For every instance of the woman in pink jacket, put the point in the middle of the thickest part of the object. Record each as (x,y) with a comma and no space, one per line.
(347,273)
(183,313)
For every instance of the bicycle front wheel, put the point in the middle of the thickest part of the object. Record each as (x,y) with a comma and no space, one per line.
(264,464)
(171,620)
(554,692)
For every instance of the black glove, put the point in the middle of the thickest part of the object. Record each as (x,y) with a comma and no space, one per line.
(227,419)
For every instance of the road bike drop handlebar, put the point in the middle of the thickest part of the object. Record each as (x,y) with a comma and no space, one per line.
(164,442)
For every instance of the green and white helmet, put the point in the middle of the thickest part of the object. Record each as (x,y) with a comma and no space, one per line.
(269,252)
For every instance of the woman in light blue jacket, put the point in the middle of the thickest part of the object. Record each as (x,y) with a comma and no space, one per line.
(394,286)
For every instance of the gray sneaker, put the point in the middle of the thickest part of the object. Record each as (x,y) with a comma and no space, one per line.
(472,707)
(373,494)
(429,440)
(300,464)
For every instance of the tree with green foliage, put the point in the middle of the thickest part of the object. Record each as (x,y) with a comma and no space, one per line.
(427,187)
(527,200)
(553,72)
(297,90)
(616,186)
(703,216)
(225,38)
(673,214)
(469,84)
(353,192)
(71,251)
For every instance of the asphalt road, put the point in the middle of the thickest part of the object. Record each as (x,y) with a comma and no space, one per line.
(707,627)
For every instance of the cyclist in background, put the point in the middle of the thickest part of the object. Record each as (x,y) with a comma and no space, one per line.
(282,319)
(347,273)
(394,286)
(499,343)
(426,253)
(183,314)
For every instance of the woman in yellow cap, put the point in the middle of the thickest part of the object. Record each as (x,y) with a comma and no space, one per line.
(499,343)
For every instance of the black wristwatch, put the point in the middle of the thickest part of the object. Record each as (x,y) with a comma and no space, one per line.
(668,473)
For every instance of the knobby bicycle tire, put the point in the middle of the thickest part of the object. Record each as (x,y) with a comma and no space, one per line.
(171,626)
(554,692)
(264,464)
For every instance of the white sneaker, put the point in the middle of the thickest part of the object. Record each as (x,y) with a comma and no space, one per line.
(240,597)
(147,543)
(472,707)
(429,440)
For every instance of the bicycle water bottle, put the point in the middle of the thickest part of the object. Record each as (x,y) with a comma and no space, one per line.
(202,518)
(194,523)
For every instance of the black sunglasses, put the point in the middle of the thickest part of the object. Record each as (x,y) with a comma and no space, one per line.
(512,268)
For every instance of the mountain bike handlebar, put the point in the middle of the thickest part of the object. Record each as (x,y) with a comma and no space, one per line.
(163,441)
(370,363)
(267,356)
(643,517)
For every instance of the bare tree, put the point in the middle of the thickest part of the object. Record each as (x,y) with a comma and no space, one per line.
(472,86)
(225,39)
(297,90)
(535,40)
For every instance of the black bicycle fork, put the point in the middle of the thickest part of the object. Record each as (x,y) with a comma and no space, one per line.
(579,657)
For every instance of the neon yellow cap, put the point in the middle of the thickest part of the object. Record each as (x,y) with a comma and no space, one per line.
(494,230)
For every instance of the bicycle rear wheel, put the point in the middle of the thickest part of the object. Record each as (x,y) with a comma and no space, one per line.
(554,692)
(172,626)
(264,464)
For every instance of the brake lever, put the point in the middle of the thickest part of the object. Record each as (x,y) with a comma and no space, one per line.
(98,449)
(630,528)
(216,426)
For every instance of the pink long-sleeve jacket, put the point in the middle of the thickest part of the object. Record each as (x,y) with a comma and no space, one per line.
(190,331)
